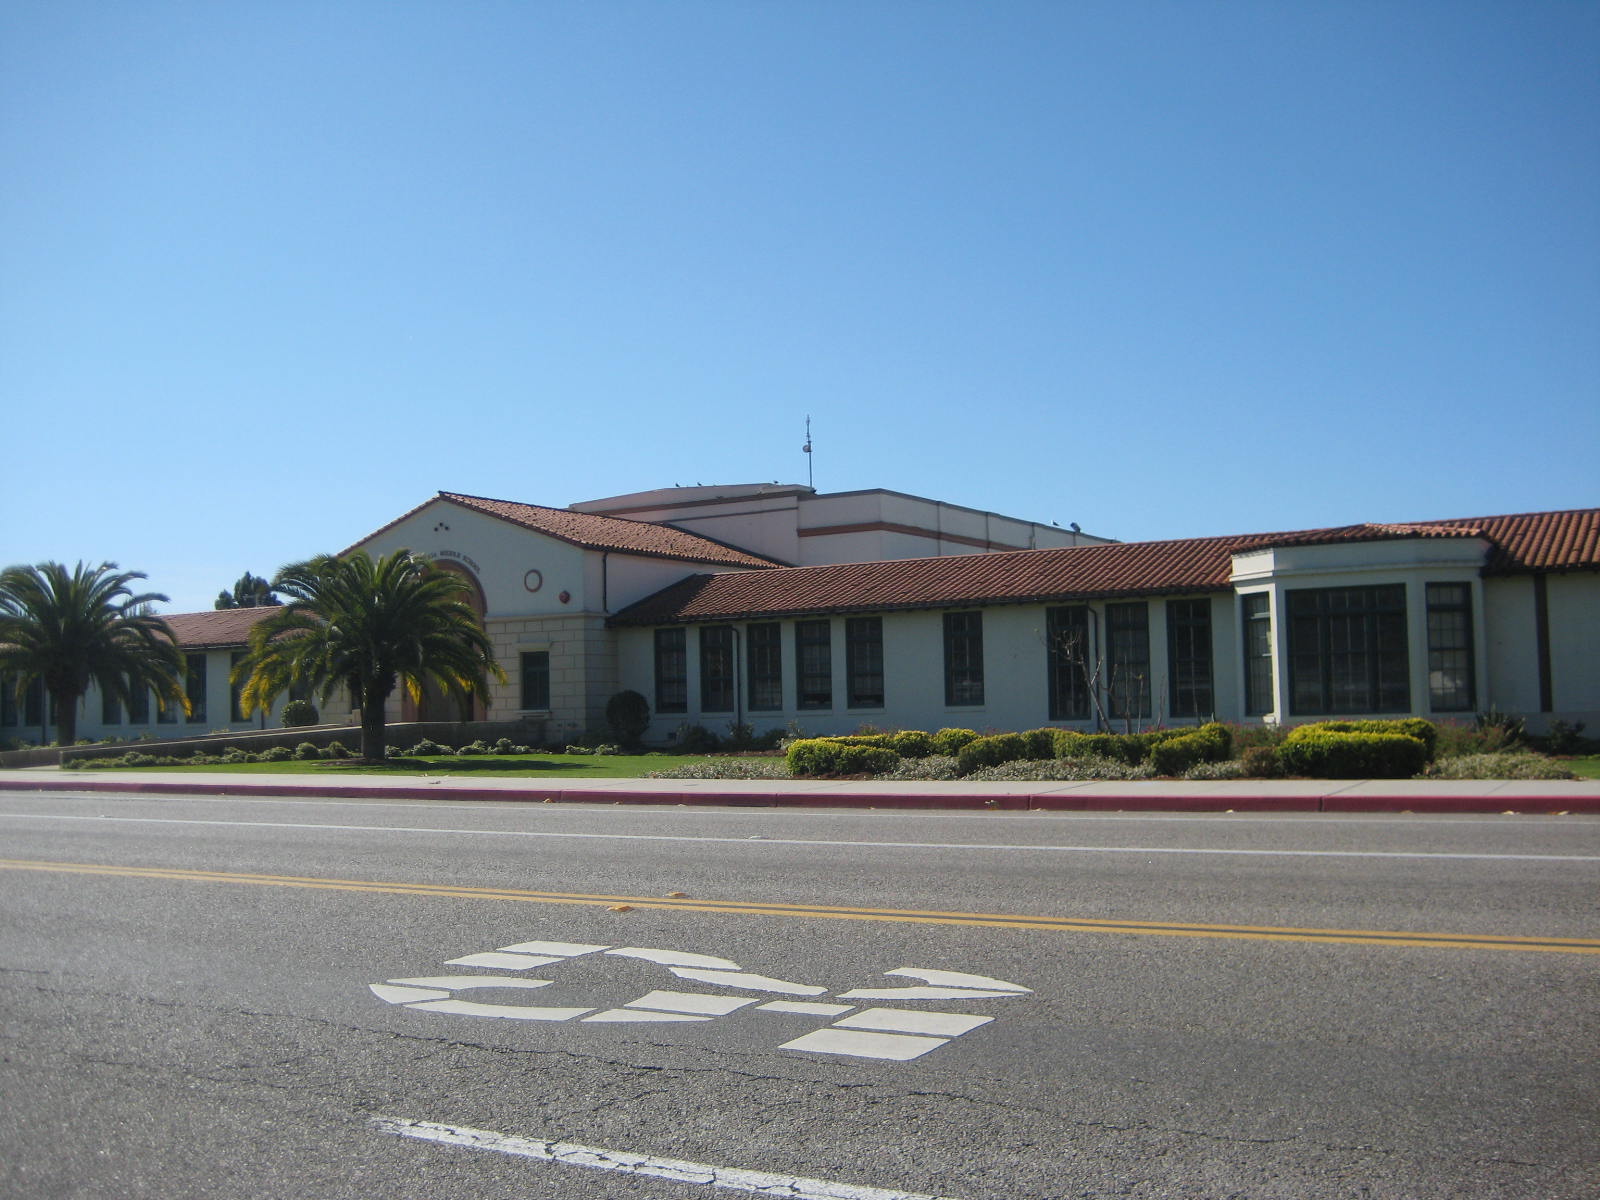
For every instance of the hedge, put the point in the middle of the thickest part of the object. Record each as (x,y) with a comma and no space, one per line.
(950,741)
(991,751)
(839,756)
(1424,731)
(1332,754)
(1175,755)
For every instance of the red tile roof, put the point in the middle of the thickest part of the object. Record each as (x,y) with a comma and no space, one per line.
(1522,543)
(594,532)
(216,629)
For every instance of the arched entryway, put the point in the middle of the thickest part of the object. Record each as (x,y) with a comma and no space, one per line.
(435,704)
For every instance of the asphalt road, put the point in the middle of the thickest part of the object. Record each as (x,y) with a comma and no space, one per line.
(840,1004)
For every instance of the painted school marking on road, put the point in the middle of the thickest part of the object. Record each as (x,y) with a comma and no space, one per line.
(894,1034)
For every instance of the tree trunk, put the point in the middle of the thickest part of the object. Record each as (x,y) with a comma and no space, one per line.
(372,730)
(66,717)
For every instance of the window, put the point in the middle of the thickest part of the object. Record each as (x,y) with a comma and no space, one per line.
(535,672)
(167,713)
(110,708)
(716,669)
(9,713)
(672,671)
(764,647)
(235,690)
(139,706)
(1128,659)
(195,686)
(1189,657)
(1347,650)
(813,652)
(1257,654)
(1450,672)
(963,658)
(863,661)
(1066,632)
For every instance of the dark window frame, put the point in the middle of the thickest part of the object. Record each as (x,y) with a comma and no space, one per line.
(533,680)
(195,685)
(963,659)
(717,674)
(1451,650)
(1191,672)
(813,656)
(1349,650)
(1128,668)
(672,670)
(863,662)
(1256,633)
(763,643)
(1067,658)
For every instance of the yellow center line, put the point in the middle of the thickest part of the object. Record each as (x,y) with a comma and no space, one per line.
(1364,937)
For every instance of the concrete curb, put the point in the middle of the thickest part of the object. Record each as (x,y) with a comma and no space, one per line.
(1302,796)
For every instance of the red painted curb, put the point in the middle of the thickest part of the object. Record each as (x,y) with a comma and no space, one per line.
(1069,801)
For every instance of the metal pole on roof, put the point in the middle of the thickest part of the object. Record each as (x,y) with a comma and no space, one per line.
(811,481)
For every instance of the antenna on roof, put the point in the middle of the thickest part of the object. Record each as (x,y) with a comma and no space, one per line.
(806,449)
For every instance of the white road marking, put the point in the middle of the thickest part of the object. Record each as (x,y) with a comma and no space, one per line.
(676,958)
(744,979)
(804,1008)
(455,982)
(923,993)
(959,979)
(466,1008)
(404,995)
(502,961)
(894,1046)
(618,1015)
(904,1020)
(964,847)
(560,949)
(794,1187)
(691,1002)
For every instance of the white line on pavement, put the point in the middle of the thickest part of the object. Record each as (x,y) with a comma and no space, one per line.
(965,847)
(572,1154)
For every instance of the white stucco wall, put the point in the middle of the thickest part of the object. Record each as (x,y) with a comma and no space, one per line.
(1016,685)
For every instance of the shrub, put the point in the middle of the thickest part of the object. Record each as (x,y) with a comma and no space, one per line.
(1565,738)
(1246,736)
(697,739)
(474,748)
(1424,731)
(1233,768)
(1512,764)
(1260,762)
(1176,755)
(306,751)
(425,746)
(628,715)
(607,748)
(1501,731)
(297,713)
(1041,743)
(950,741)
(572,749)
(237,754)
(1069,743)
(838,756)
(991,751)
(336,750)
(276,754)
(1329,754)
(911,743)
(724,768)
(1061,769)
(929,766)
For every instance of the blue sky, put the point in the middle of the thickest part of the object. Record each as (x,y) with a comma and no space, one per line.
(273,273)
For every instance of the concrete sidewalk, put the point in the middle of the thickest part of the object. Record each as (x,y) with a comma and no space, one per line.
(1288,795)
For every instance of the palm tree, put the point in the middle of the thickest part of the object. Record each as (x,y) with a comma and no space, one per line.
(73,628)
(368,625)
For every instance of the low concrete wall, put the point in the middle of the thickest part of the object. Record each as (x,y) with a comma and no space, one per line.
(400,736)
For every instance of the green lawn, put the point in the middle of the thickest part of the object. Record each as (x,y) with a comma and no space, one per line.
(524,766)
(1585,767)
